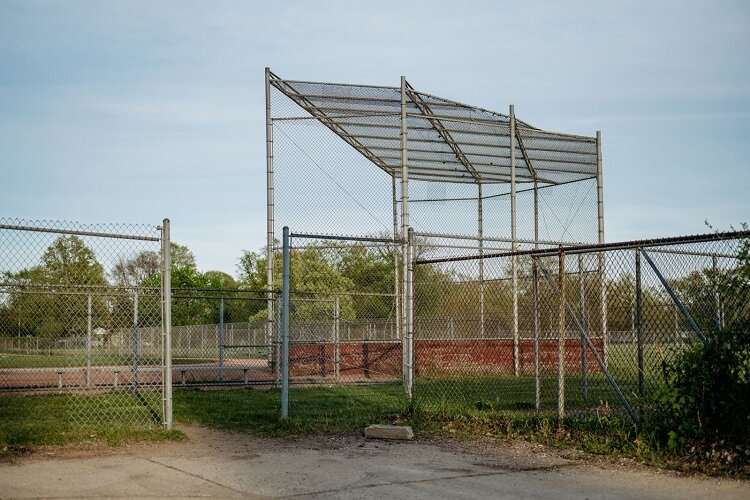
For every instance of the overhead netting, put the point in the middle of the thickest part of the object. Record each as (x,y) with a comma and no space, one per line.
(337,157)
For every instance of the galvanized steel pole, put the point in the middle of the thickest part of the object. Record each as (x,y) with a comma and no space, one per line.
(221,339)
(410,315)
(285,326)
(88,342)
(136,341)
(537,380)
(561,339)
(599,187)
(269,217)
(639,320)
(404,230)
(582,300)
(166,259)
(396,274)
(277,342)
(514,259)
(600,223)
(480,235)
(336,340)
(717,300)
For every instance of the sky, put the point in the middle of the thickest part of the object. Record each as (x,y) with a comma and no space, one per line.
(134,111)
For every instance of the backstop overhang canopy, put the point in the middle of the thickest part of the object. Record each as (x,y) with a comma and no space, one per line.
(447,141)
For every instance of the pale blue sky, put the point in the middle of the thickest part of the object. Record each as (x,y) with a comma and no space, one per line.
(133,111)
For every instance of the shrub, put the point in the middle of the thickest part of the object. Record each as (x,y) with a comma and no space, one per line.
(706,399)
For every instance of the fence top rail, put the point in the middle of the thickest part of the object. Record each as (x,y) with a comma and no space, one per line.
(228,290)
(218,297)
(368,239)
(501,240)
(75,232)
(598,247)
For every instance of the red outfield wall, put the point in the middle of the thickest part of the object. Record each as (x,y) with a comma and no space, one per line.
(434,357)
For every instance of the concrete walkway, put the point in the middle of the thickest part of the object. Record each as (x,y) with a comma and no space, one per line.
(227,465)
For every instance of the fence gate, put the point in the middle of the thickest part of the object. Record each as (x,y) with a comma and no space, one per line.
(343,319)
(83,316)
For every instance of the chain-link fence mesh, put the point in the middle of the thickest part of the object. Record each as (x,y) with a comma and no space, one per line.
(81,316)
(344,329)
(221,337)
(310,158)
(344,143)
(347,144)
(578,331)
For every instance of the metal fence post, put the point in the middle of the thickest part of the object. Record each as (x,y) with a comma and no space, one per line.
(480,236)
(404,136)
(277,368)
(221,339)
(717,300)
(602,258)
(513,243)
(639,320)
(167,323)
(269,213)
(537,379)
(285,326)
(410,315)
(136,341)
(561,339)
(88,342)
(337,346)
(582,299)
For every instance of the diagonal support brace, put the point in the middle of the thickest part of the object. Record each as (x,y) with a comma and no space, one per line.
(693,325)
(589,343)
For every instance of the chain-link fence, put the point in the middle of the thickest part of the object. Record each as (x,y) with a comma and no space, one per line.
(343,328)
(382,160)
(82,315)
(568,331)
(221,337)
(373,154)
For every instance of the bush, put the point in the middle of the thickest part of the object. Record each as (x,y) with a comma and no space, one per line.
(706,400)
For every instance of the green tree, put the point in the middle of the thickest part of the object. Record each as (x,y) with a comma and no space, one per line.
(371,271)
(313,276)
(51,298)
(135,271)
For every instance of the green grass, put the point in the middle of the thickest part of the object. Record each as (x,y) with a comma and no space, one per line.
(34,420)
(311,409)
(45,420)
(516,395)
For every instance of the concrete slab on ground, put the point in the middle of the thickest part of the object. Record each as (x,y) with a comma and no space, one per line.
(379,431)
(225,465)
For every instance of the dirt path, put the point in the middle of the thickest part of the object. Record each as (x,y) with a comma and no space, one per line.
(222,464)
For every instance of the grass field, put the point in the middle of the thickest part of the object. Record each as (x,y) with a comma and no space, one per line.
(43,419)
(17,360)
(46,420)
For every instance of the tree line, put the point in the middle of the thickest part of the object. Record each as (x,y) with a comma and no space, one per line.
(41,301)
